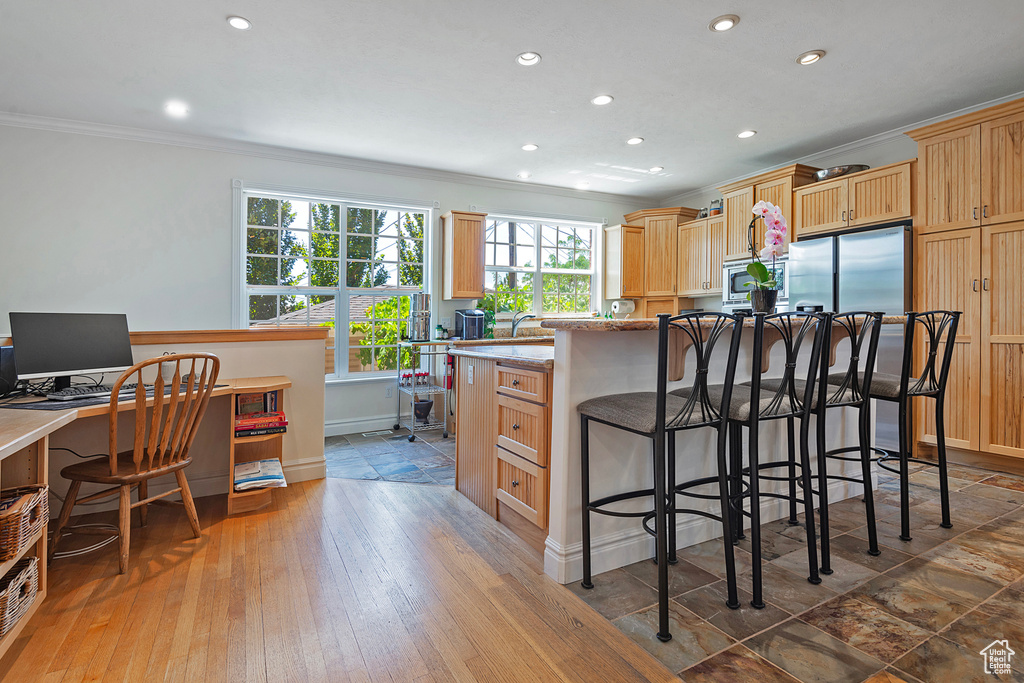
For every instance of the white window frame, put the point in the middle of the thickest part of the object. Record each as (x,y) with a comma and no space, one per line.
(341,293)
(539,270)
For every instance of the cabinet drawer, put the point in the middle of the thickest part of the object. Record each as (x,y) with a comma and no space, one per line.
(523,429)
(526,384)
(523,486)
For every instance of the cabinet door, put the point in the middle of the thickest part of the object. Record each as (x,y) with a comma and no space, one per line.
(632,261)
(655,306)
(716,249)
(950,180)
(1002,170)
(821,208)
(692,261)
(464,269)
(737,206)
(523,486)
(779,193)
(1002,339)
(660,255)
(882,195)
(947,276)
(523,429)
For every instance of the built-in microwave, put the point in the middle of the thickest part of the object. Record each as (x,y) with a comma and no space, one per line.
(735,279)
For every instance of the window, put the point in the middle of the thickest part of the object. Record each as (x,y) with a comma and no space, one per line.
(522,254)
(296,251)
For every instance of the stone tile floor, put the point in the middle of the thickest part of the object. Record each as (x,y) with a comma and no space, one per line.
(921,611)
(430,459)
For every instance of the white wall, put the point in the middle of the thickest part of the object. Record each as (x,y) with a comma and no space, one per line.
(97,223)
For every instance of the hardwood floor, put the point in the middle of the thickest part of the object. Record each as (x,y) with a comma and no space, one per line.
(340,580)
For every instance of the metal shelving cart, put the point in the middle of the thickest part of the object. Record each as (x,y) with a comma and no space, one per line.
(440,348)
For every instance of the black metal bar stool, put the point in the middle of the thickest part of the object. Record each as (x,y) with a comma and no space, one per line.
(785,401)
(655,414)
(940,331)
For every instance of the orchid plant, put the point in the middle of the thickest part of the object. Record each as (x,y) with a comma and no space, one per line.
(774,238)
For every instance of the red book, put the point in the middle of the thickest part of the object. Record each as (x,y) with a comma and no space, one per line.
(259,418)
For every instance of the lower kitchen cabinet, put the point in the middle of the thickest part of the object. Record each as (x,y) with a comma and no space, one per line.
(523,487)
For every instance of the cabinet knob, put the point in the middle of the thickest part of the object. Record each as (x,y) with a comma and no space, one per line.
(515,426)
(515,483)
(515,383)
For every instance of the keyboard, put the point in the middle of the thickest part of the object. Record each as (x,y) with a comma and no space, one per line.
(89,391)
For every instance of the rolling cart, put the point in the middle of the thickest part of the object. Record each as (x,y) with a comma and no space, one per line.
(408,394)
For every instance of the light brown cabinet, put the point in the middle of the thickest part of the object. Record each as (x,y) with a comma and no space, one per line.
(464,235)
(624,262)
(660,246)
(739,198)
(971,169)
(653,306)
(700,247)
(875,196)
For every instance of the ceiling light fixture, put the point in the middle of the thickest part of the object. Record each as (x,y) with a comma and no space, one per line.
(602,100)
(528,58)
(176,108)
(634,141)
(746,134)
(523,175)
(810,57)
(657,169)
(530,147)
(723,23)
(241,23)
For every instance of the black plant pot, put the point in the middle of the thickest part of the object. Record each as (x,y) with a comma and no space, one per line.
(763,300)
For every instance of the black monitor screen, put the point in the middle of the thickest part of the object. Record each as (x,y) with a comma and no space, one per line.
(62,344)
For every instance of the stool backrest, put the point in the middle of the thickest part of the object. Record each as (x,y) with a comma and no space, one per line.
(937,328)
(702,332)
(862,328)
(164,436)
(797,332)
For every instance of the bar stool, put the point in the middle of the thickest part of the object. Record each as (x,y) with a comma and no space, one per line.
(940,329)
(785,401)
(655,414)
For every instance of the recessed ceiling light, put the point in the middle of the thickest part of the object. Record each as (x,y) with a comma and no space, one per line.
(582,185)
(602,99)
(528,58)
(810,57)
(523,175)
(176,108)
(634,141)
(530,147)
(747,134)
(723,23)
(657,169)
(241,23)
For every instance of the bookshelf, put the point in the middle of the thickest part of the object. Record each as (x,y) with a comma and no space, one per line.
(258,447)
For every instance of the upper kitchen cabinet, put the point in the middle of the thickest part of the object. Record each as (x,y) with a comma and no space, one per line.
(700,246)
(878,195)
(739,198)
(971,169)
(464,240)
(623,262)
(660,246)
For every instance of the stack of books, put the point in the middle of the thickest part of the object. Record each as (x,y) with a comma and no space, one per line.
(258,424)
(259,474)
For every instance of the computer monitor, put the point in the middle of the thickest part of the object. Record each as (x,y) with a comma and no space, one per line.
(61,345)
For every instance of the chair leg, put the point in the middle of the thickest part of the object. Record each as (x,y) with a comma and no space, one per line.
(124,526)
(826,550)
(940,435)
(732,601)
(143,509)
(585,497)
(65,515)
(805,478)
(190,506)
(661,521)
(792,472)
(671,498)
(904,475)
(736,479)
(757,600)
(865,466)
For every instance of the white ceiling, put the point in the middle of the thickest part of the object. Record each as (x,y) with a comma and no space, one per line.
(435,84)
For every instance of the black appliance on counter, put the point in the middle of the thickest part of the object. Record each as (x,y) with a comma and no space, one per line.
(469,323)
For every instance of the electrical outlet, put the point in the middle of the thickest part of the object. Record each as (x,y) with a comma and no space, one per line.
(387,392)
(469,374)
(446,323)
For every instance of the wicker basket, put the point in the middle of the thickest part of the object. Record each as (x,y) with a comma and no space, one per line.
(17,592)
(23,511)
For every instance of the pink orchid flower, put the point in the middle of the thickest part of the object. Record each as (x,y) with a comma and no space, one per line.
(771,251)
(763,208)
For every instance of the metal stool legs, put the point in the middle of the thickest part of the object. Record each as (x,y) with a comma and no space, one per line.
(585,497)
(940,433)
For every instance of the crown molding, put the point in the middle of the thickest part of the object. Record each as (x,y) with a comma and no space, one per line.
(298,156)
(817,158)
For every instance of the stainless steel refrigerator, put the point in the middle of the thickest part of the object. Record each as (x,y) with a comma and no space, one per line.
(860,271)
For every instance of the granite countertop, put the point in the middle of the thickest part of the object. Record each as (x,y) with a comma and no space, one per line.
(536,356)
(548,339)
(635,324)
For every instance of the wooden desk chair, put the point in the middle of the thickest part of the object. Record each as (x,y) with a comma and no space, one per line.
(162,442)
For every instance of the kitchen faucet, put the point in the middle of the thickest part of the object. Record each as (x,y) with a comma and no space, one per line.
(517,320)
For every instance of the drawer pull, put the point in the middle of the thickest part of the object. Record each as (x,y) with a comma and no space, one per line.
(515,483)
(515,426)
(515,383)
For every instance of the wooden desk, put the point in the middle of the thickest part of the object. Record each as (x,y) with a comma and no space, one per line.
(24,445)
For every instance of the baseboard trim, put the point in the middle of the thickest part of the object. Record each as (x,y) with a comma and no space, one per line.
(359,425)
